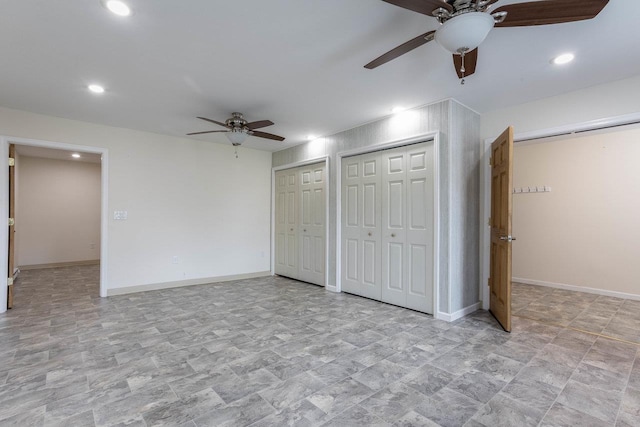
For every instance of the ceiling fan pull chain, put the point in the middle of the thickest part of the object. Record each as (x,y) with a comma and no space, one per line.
(236,150)
(462,69)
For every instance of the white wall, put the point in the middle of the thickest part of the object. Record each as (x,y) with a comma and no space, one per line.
(57,212)
(585,232)
(593,103)
(185,198)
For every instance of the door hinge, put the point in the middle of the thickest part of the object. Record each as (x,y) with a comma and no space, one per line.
(12,161)
(490,159)
(489,222)
(10,281)
(12,222)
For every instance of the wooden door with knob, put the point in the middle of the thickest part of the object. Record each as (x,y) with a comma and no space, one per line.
(501,210)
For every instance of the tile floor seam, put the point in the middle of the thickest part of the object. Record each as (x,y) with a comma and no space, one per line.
(626,386)
(565,385)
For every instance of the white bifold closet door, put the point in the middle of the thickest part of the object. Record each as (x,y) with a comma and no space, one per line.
(388,226)
(300,227)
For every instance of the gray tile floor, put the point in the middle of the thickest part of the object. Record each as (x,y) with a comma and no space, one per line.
(614,317)
(273,352)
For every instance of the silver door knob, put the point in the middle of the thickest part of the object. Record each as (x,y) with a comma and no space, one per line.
(291,229)
(305,230)
(507,238)
(369,233)
(393,235)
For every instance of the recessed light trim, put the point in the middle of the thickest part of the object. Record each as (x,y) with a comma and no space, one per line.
(95,88)
(397,109)
(76,155)
(563,59)
(311,137)
(118,7)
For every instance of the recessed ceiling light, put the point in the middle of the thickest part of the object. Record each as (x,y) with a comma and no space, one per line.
(565,58)
(96,88)
(311,137)
(75,155)
(395,110)
(118,7)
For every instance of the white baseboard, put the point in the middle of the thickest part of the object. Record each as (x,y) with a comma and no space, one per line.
(458,314)
(60,264)
(577,288)
(182,283)
(331,288)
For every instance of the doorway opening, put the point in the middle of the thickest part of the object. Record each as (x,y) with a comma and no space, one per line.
(572,192)
(57,199)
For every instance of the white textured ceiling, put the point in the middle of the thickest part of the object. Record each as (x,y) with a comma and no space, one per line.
(298,63)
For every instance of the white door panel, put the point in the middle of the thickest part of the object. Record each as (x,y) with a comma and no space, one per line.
(300,223)
(387,226)
(393,223)
(361,226)
(312,223)
(419,233)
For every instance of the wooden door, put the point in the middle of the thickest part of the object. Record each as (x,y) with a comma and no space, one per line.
(501,209)
(286,212)
(312,223)
(361,206)
(12,214)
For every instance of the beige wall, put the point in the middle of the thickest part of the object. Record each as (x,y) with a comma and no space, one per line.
(586,231)
(57,211)
(186,198)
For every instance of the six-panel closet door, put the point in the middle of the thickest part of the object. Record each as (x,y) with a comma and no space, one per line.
(361,212)
(286,233)
(300,223)
(312,223)
(387,226)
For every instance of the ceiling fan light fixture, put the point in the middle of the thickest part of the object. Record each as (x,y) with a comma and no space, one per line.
(465,32)
(236,136)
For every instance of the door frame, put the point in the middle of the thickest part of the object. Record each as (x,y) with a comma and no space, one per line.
(321,159)
(433,137)
(4,203)
(485,180)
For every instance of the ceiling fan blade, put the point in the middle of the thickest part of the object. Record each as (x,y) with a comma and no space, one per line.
(267,135)
(470,60)
(550,12)
(213,121)
(401,50)
(425,7)
(259,124)
(207,131)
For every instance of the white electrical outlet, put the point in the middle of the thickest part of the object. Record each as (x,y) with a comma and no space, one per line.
(120,215)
